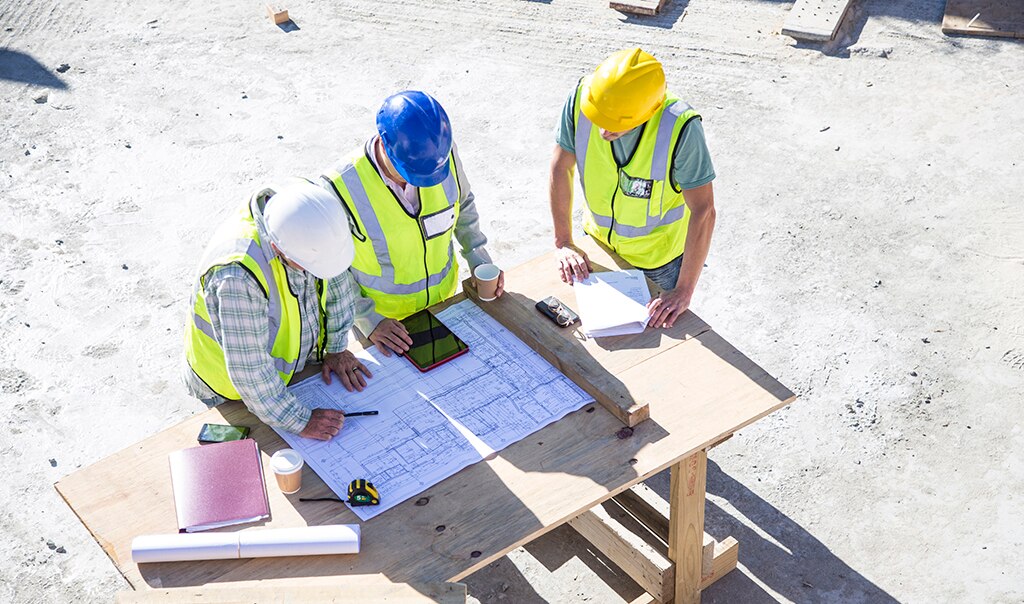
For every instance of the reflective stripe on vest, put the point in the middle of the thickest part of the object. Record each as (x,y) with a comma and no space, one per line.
(425,271)
(647,228)
(237,241)
(254,251)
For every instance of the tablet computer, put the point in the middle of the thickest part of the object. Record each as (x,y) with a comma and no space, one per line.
(433,344)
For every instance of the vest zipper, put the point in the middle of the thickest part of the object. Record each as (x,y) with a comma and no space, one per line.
(298,304)
(322,327)
(611,227)
(423,240)
(312,346)
(426,267)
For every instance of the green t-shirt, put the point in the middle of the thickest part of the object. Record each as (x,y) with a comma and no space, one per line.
(691,168)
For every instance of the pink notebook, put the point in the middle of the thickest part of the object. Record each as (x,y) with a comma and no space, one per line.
(217,485)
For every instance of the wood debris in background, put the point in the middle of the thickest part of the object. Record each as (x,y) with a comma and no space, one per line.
(1003,18)
(278,16)
(816,20)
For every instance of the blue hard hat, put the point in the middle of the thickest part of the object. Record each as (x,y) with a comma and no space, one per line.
(417,137)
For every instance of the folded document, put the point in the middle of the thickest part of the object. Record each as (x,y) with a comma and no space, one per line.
(613,303)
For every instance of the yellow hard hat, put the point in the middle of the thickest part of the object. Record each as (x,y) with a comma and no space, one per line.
(624,91)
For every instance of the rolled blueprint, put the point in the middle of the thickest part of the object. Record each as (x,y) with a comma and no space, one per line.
(303,541)
(184,546)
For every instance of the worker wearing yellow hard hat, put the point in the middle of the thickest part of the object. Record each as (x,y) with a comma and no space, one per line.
(646,175)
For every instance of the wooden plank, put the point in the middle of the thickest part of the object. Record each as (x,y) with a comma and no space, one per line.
(638,7)
(816,20)
(686,525)
(648,507)
(707,557)
(725,560)
(277,15)
(651,510)
(718,442)
(566,355)
(1003,18)
(648,567)
(672,379)
(368,591)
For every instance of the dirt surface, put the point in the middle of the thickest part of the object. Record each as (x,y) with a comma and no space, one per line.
(868,253)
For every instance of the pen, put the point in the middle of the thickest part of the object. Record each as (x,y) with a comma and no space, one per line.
(358,413)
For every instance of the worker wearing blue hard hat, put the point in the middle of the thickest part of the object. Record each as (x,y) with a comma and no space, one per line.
(407,196)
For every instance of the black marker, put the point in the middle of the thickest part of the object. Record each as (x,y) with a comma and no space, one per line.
(358,413)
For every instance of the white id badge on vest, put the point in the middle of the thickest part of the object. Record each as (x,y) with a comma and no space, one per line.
(640,188)
(438,223)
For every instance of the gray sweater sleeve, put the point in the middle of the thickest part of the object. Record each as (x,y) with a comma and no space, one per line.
(467,230)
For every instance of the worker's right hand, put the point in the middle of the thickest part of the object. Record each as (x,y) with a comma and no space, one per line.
(573,264)
(323,424)
(391,336)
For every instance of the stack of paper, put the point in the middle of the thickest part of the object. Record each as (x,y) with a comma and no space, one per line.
(613,303)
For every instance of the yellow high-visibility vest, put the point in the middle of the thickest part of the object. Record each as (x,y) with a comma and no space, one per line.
(238,241)
(405,263)
(637,209)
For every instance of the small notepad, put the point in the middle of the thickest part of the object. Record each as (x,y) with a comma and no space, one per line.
(218,485)
(613,303)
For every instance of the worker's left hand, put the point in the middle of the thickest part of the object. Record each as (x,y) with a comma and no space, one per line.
(666,308)
(351,370)
(501,284)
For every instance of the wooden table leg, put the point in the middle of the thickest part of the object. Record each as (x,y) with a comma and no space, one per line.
(686,525)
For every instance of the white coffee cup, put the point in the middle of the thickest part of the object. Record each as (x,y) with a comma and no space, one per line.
(287,465)
(487,281)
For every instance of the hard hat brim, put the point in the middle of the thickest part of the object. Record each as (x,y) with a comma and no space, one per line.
(326,270)
(423,180)
(609,123)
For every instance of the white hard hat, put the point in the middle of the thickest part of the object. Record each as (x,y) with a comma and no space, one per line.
(309,226)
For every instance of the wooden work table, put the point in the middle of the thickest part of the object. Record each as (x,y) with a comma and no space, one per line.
(682,389)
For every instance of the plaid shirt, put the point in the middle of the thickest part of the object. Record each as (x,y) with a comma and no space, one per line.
(238,312)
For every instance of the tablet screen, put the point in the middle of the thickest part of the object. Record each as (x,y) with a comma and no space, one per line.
(432,342)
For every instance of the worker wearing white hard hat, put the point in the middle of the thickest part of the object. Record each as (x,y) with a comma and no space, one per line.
(272,292)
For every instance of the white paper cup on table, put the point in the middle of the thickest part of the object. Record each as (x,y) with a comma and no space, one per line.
(287,465)
(487,281)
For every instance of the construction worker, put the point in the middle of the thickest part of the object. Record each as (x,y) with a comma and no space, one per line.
(646,175)
(273,291)
(406,194)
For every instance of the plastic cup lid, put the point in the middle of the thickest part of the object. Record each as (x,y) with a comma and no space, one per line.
(286,461)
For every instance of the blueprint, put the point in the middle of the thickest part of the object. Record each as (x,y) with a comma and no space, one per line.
(431,425)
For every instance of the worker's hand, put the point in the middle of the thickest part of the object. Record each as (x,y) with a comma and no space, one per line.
(666,308)
(573,264)
(501,284)
(391,336)
(351,370)
(323,424)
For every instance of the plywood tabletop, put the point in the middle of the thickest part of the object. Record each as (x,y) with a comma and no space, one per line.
(699,389)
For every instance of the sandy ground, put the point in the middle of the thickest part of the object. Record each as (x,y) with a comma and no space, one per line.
(868,253)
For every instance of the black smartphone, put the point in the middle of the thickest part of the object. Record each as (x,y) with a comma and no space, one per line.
(219,433)
(433,344)
(560,314)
